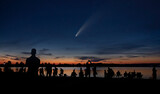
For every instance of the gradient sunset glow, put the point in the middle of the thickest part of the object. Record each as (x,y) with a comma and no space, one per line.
(111,31)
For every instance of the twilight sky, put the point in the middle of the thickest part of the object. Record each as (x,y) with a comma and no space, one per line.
(109,31)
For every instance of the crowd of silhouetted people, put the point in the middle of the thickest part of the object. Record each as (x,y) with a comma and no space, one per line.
(50,71)
(34,70)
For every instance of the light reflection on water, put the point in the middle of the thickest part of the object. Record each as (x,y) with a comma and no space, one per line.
(146,71)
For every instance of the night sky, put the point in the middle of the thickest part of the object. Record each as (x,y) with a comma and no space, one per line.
(109,31)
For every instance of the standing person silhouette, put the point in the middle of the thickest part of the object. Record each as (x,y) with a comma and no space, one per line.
(88,68)
(81,74)
(33,64)
(55,71)
(94,71)
(154,73)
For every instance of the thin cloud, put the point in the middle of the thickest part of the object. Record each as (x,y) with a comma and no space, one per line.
(93,59)
(7,55)
(44,51)
(16,58)
(26,53)
(23,57)
(133,56)
(47,54)
(118,49)
(58,57)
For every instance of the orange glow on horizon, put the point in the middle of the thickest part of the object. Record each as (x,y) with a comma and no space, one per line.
(76,61)
(73,62)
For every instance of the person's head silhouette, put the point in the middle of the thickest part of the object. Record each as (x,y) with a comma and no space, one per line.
(33,52)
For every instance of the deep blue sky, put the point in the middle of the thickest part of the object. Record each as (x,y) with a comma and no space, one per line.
(112,30)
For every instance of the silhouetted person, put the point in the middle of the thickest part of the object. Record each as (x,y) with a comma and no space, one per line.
(16,69)
(154,73)
(94,71)
(65,75)
(129,75)
(61,72)
(49,70)
(81,74)
(21,70)
(88,68)
(55,71)
(125,74)
(105,74)
(110,73)
(118,74)
(73,74)
(133,74)
(41,71)
(139,75)
(7,67)
(85,70)
(33,64)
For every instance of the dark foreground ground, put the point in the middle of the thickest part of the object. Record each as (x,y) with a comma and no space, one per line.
(79,84)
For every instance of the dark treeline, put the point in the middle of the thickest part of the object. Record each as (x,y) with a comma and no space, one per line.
(83,65)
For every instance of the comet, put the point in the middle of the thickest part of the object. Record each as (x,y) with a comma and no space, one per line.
(77,33)
(81,29)
(90,22)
